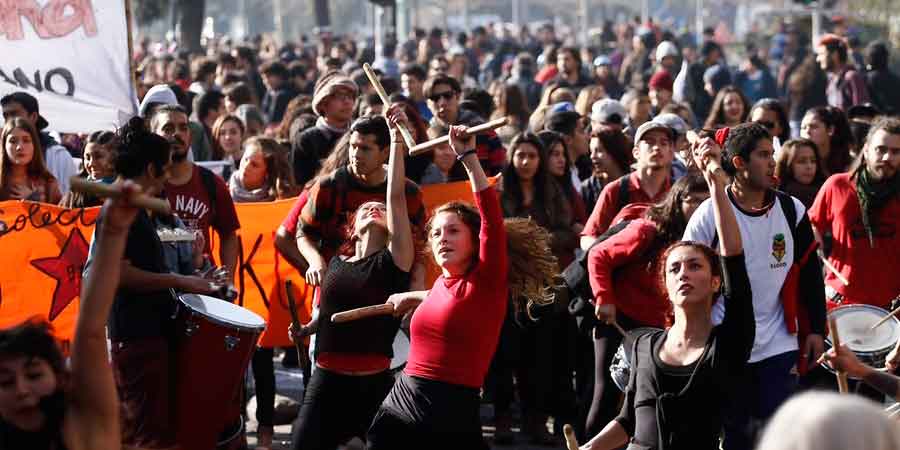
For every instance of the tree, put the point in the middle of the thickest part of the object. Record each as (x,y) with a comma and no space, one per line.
(188,14)
(322,13)
(190,21)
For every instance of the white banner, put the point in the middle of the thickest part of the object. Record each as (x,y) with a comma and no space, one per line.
(72,55)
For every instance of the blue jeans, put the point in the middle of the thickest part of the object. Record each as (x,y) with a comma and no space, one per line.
(764,387)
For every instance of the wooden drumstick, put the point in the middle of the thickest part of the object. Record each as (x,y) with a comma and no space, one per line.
(361,313)
(833,270)
(428,145)
(694,138)
(407,137)
(885,318)
(571,442)
(836,340)
(302,356)
(103,190)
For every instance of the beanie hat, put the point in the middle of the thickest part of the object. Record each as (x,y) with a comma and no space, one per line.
(328,84)
(661,80)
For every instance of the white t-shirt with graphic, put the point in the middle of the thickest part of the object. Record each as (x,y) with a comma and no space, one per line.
(769,254)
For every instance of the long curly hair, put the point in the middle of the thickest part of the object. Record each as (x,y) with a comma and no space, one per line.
(533,270)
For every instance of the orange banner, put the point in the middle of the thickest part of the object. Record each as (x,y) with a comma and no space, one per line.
(43,249)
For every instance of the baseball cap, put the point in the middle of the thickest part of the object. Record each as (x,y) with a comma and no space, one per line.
(673,121)
(601,60)
(647,127)
(607,110)
(30,104)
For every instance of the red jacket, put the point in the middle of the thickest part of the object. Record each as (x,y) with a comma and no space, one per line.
(623,273)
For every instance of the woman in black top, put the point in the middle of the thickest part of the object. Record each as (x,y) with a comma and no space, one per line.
(352,374)
(681,377)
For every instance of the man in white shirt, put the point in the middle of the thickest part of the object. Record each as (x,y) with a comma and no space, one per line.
(773,246)
(56,157)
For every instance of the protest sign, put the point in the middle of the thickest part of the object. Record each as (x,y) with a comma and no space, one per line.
(45,248)
(73,56)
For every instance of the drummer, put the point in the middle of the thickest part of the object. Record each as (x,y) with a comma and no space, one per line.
(140,323)
(843,359)
(353,359)
(682,378)
(861,211)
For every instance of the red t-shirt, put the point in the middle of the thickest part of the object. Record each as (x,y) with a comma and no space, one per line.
(454,332)
(191,202)
(872,272)
(293,218)
(622,273)
(608,203)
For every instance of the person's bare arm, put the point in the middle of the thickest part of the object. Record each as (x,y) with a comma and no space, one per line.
(228,252)
(142,281)
(401,244)
(315,271)
(287,247)
(94,404)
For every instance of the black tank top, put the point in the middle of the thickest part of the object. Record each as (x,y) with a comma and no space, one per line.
(348,285)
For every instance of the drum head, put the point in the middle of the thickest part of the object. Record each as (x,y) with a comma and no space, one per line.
(401,350)
(855,322)
(222,312)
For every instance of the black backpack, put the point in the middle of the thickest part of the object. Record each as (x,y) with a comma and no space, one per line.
(576,283)
(575,276)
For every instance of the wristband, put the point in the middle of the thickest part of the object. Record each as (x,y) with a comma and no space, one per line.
(462,155)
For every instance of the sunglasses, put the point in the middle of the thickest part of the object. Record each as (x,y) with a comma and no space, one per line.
(767,124)
(443,95)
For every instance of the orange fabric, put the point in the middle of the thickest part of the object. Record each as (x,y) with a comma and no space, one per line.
(43,249)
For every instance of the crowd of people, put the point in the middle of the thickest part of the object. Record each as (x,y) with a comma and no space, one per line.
(717,212)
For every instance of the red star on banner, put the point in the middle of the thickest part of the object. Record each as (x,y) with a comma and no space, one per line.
(66,270)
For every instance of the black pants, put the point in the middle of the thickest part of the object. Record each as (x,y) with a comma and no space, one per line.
(605,399)
(421,413)
(337,408)
(264,376)
(524,352)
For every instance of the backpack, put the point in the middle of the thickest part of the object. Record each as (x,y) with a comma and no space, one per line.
(577,286)
(575,276)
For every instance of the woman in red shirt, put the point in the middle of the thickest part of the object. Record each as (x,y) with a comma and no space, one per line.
(456,325)
(623,272)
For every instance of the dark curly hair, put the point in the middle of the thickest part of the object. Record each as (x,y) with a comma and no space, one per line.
(741,141)
(32,339)
(138,147)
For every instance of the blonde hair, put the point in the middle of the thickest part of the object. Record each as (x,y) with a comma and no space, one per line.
(829,421)
(533,269)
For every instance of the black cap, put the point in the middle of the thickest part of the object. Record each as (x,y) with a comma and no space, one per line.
(30,104)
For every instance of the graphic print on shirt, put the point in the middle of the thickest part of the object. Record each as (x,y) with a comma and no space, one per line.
(191,210)
(778,250)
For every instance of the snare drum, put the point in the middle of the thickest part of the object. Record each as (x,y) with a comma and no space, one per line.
(855,322)
(401,351)
(214,342)
(620,368)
